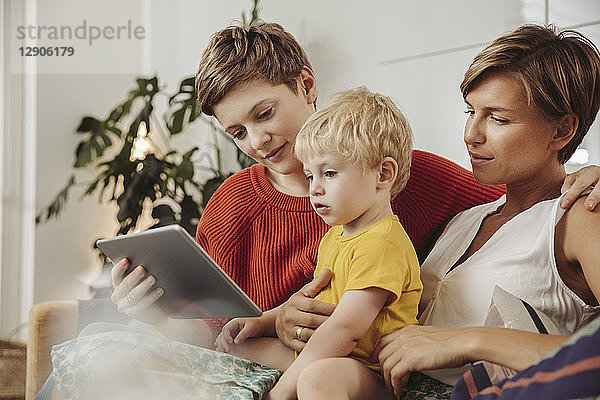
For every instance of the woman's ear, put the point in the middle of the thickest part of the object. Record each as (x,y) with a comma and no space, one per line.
(388,171)
(308,85)
(566,127)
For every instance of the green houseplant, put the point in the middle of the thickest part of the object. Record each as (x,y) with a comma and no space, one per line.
(164,179)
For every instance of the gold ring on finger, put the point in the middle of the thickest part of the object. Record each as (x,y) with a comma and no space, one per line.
(130,299)
(299,333)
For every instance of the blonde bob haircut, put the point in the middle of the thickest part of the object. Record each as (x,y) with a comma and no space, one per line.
(559,71)
(236,56)
(362,127)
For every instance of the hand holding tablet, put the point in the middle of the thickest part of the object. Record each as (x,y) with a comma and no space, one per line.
(195,286)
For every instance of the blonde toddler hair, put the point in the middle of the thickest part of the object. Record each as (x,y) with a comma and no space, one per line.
(364,128)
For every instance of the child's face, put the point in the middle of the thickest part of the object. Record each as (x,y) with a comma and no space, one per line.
(343,193)
(263,121)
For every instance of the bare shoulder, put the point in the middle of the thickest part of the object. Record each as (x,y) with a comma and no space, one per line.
(581,219)
(578,229)
(579,232)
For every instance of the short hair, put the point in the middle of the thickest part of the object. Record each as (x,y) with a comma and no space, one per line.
(560,73)
(238,55)
(362,127)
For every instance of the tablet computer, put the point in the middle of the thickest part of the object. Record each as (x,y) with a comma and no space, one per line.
(195,286)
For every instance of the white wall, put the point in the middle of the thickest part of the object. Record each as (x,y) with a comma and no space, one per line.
(415,51)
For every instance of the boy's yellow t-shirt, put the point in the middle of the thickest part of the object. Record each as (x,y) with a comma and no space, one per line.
(382,256)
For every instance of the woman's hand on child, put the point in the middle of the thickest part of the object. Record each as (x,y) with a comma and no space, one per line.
(133,295)
(237,331)
(302,310)
(418,348)
(579,181)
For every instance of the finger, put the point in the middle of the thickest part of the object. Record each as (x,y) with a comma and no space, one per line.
(138,292)
(221,345)
(299,318)
(306,334)
(297,345)
(220,348)
(129,282)
(230,330)
(118,270)
(567,183)
(386,374)
(312,288)
(226,330)
(397,374)
(226,342)
(243,334)
(387,352)
(143,304)
(386,340)
(310,306)
(575,190)
(387,368)
(593,199)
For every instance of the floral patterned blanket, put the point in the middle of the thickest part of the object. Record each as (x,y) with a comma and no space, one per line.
(135,362)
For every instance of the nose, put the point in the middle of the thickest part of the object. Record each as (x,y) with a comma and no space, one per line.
(474,130)
(316,188)
(258,138)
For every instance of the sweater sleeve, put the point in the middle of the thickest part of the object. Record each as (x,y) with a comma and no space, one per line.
(436,191)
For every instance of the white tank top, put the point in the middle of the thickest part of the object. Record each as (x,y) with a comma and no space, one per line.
(519,258)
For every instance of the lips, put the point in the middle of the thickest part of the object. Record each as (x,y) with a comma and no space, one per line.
(478,159)
(320,207)
(275,152)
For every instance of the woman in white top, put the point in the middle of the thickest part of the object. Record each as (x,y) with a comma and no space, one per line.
(531,97)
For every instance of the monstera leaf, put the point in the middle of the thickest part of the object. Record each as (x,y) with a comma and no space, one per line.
(146,87)
(97,142)
(184,107)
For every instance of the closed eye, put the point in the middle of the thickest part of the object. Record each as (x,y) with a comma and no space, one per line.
(265,114)
(499,120)
(239,134)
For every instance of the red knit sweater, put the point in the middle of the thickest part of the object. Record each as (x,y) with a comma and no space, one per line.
(267,241)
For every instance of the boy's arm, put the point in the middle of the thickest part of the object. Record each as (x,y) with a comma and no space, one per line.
(337,336)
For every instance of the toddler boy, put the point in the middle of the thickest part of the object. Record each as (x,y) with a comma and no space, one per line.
(356,153)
